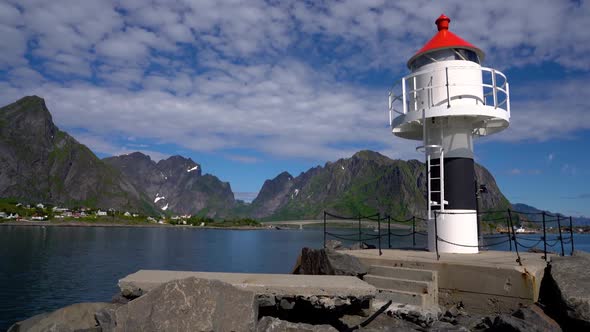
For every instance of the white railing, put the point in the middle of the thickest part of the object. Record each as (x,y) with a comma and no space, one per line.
(495,88)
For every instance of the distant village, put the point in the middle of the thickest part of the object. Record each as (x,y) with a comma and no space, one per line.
(11,210)
(43,212)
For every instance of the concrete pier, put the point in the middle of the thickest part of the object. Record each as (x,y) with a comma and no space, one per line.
(489,280)
(287,285)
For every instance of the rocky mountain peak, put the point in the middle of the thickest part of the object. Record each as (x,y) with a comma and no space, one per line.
(28,114)
(40,163)
(177,165)
(137,156)
(368,155)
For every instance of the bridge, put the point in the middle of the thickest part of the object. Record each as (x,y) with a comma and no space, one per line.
(331,222)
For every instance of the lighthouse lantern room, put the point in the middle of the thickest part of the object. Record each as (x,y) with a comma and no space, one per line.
(448,100)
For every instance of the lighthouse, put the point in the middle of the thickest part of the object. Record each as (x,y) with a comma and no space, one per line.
(448,100)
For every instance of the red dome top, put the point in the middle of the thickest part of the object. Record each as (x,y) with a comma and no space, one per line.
(445,39)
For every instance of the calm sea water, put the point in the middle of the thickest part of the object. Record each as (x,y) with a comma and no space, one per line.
(45,268)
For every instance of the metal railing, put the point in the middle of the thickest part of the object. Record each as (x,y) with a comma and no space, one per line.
(505,222)
(495,89)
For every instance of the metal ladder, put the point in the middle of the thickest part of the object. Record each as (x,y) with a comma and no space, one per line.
(441,178)
(428,151)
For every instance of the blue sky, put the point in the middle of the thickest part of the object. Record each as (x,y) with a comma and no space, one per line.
(253,88)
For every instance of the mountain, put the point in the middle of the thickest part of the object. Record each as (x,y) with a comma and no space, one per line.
(176,184)
(40,163)
(366,183)
(533,214)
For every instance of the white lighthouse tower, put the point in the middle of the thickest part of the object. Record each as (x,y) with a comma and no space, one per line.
(448,100)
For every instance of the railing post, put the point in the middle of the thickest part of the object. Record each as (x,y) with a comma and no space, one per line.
(514,237)
(572,234)
(404,106)
(389,231)
(544,238)
(560,238)
(360,233)
(448,93)
(415,94)
(379,232)
(325,230)
(414,231)
(494,91)
(508,98)
(509,231)
(436,235)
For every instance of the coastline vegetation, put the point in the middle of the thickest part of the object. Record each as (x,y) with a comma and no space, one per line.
(12,210)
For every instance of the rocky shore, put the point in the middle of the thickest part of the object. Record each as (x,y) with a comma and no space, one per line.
(195,304)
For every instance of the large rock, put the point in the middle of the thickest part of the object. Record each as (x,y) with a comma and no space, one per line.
(189,304)
(272,324)
(565,291)
(329,262)
(530,318)
(78,316)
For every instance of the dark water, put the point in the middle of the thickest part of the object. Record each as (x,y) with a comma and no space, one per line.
(45,268)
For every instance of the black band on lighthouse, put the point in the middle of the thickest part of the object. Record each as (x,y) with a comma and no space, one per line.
(459,183)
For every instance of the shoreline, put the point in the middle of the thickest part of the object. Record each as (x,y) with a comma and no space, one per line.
(115,225)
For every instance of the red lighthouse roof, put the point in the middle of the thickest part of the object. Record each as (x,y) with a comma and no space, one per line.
(445,39)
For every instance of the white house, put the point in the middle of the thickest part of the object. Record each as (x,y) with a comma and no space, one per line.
(101,213)
(127,214)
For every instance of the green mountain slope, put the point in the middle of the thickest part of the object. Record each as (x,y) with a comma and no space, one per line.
(365,184)
(40,163)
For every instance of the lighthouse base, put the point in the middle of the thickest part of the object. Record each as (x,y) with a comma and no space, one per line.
(457,232)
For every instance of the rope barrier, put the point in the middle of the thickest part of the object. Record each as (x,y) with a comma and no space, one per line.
(400,235)
(506,214)
(494,244)
(528,247)
(457,244)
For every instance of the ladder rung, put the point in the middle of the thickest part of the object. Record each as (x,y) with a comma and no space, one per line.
(435,191)
(434,178)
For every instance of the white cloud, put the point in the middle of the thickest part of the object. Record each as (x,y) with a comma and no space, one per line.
(569,169)
(548,110)
(268,76)
(515,171)
(101,145)
(242,159)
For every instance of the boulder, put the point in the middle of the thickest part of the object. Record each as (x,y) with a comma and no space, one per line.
(334,245)
(440,326)
(189,304)
(78,316)
(272,324)
(529,318)
(381,323)
(565,291)
(329,262)
(533,313)
(362,245)
(506,322)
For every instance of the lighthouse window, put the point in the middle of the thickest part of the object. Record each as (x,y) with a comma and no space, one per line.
(439,55)
(469,55)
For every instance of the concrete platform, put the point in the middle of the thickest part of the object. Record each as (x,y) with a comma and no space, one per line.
(490,280)
(287,285)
